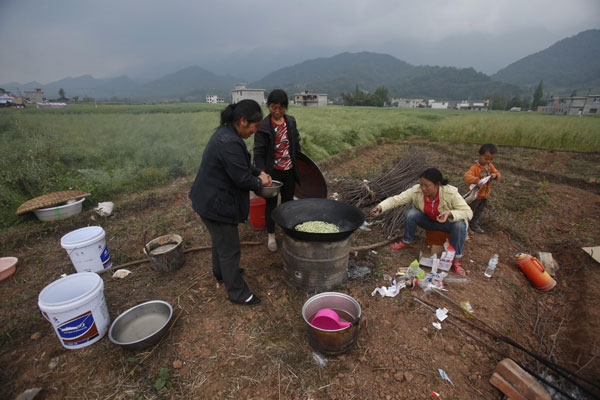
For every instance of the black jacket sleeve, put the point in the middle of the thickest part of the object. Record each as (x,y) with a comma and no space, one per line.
(295,134)
(261,144)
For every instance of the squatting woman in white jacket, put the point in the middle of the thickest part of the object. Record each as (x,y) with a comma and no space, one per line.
(437,206)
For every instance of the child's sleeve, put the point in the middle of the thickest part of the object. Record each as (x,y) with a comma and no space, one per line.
(472,175)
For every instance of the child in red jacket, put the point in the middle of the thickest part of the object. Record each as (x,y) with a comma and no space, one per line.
(481,168)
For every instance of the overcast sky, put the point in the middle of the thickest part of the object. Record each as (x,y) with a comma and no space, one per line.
(50,40)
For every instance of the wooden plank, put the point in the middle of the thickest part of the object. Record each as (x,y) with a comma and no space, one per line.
(522,381)
(506,387)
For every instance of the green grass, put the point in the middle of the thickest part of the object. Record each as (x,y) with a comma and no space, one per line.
(108,149)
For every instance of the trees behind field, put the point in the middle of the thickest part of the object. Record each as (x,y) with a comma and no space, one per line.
(363,98)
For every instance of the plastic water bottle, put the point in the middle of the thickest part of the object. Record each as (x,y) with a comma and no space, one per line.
(435,264)
(489,271)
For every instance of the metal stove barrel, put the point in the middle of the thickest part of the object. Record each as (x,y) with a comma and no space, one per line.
(316,262)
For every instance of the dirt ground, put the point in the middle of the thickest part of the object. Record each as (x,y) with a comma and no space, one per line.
(545,201)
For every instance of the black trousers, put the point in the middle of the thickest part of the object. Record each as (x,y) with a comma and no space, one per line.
(226,255)
(477,206)
(287,194)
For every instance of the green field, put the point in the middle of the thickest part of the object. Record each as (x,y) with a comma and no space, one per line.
(111,149)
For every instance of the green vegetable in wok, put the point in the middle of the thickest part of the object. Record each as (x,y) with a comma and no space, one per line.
(317,227)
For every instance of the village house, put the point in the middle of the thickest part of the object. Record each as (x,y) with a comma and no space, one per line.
(571,105)
(574,105)
(592,105)
(241,92)
(62,99)
(308,99)
(439,104)
(463,105)
(552,105)
(408,103)
(35,96)
(214,99)
(472,105)
(480,105)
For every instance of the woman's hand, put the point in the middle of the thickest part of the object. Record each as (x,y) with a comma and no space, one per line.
(443,217)
(265,179)
(375,211)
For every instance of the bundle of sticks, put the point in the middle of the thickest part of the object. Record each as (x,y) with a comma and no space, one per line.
(403,174)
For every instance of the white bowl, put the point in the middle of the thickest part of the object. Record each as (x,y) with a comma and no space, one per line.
(59,212)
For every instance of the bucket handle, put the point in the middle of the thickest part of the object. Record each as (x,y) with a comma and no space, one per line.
(146,248)
(45,316)
(355,322)
(538,264)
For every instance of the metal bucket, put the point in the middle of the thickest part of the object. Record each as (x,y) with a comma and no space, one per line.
(332,343)
(315,266)
(165,253)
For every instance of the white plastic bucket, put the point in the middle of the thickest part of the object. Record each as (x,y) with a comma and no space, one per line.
(87,249)
(76,308)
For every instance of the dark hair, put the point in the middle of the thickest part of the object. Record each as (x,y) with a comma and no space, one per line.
(434,175)
(488,147)
(278,96)
(246,108)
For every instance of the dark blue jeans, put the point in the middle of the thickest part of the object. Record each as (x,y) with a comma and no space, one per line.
(414,218)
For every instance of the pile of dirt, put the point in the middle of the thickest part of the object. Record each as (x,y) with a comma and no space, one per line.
(219,350)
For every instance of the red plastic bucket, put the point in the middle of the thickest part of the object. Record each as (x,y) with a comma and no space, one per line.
(257,214)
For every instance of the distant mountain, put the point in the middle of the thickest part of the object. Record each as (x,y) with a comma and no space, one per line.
(572,63)
(338,73)
(341,73)
(569,64)
(190,84)
(85,85)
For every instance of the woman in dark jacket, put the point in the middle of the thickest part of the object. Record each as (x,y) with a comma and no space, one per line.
(220,193)
(275,146)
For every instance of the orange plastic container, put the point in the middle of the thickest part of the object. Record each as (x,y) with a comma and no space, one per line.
(436,237)
(257,214)
(535,271)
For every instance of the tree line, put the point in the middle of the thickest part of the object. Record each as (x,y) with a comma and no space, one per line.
(505,102)
(365,99)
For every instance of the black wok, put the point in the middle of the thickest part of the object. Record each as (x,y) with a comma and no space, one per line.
(312,183)
(292,213)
